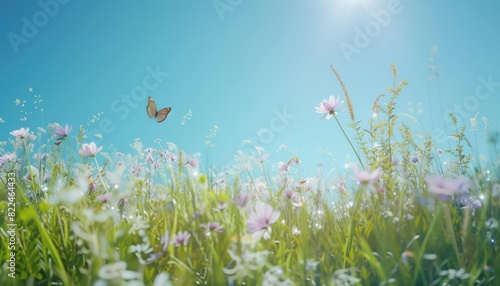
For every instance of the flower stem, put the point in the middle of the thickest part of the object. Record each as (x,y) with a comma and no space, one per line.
(100,176)
(348,140)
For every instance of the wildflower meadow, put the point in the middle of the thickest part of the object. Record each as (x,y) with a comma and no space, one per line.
(73,212)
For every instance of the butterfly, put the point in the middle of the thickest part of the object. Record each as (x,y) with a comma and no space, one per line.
(160,115)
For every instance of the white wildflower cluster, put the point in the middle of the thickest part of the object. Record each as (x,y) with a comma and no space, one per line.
(274,276)
(455,274)
(246,263)
(345,277)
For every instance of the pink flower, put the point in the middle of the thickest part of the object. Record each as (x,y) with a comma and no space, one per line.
(90,150)
(367,177)
(260,220)
(241,200)
(7,158)
(445,187)
(181,238)
(104,198)
(21,133)
(63,131)
(213,226)
(283,167)
(194,162)
(329,107)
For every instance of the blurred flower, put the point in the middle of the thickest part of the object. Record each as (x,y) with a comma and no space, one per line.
(162,279)
(242,200)
(7,158)
(455,274)
(368,177)
(89,150)
(63,131)
(116,270)
(181,238)
(283,167)
(466,201)
(104,198)
(213,226)
(194,163)
(275,276)
(259,221)
(21,133)
(329,107)
(245,263)
(445,187)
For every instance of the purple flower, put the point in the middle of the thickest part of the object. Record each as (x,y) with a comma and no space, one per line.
(213,226)
(259,221)
(7,158)
(21,133)
(242,200)
(63,132)
(181,238)
(329,107)
(104,198)
(283,167)
(445,187)
(367,177)
(90,150)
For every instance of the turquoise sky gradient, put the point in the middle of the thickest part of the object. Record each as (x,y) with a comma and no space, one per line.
(244,66)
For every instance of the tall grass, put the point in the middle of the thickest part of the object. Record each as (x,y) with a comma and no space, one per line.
(152,217)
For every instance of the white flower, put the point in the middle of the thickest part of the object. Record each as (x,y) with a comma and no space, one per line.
(162,279)
(116,270)
(245,264)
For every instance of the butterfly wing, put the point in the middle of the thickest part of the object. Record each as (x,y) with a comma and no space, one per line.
(162,114)
(151,108)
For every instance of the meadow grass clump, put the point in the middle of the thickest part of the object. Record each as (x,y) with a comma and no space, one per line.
(88,215)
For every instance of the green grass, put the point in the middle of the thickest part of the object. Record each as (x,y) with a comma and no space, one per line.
(391,231)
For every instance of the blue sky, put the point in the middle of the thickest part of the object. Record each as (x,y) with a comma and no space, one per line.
(244,66)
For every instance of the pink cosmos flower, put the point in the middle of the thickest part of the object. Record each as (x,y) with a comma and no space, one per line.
(181,238)
(21,133)
(213,226)
(241,200)
(329,107)
(7,158)
(445,187)
(367,178)
(283,167)
(259,221)
(89,150)
(63,131)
